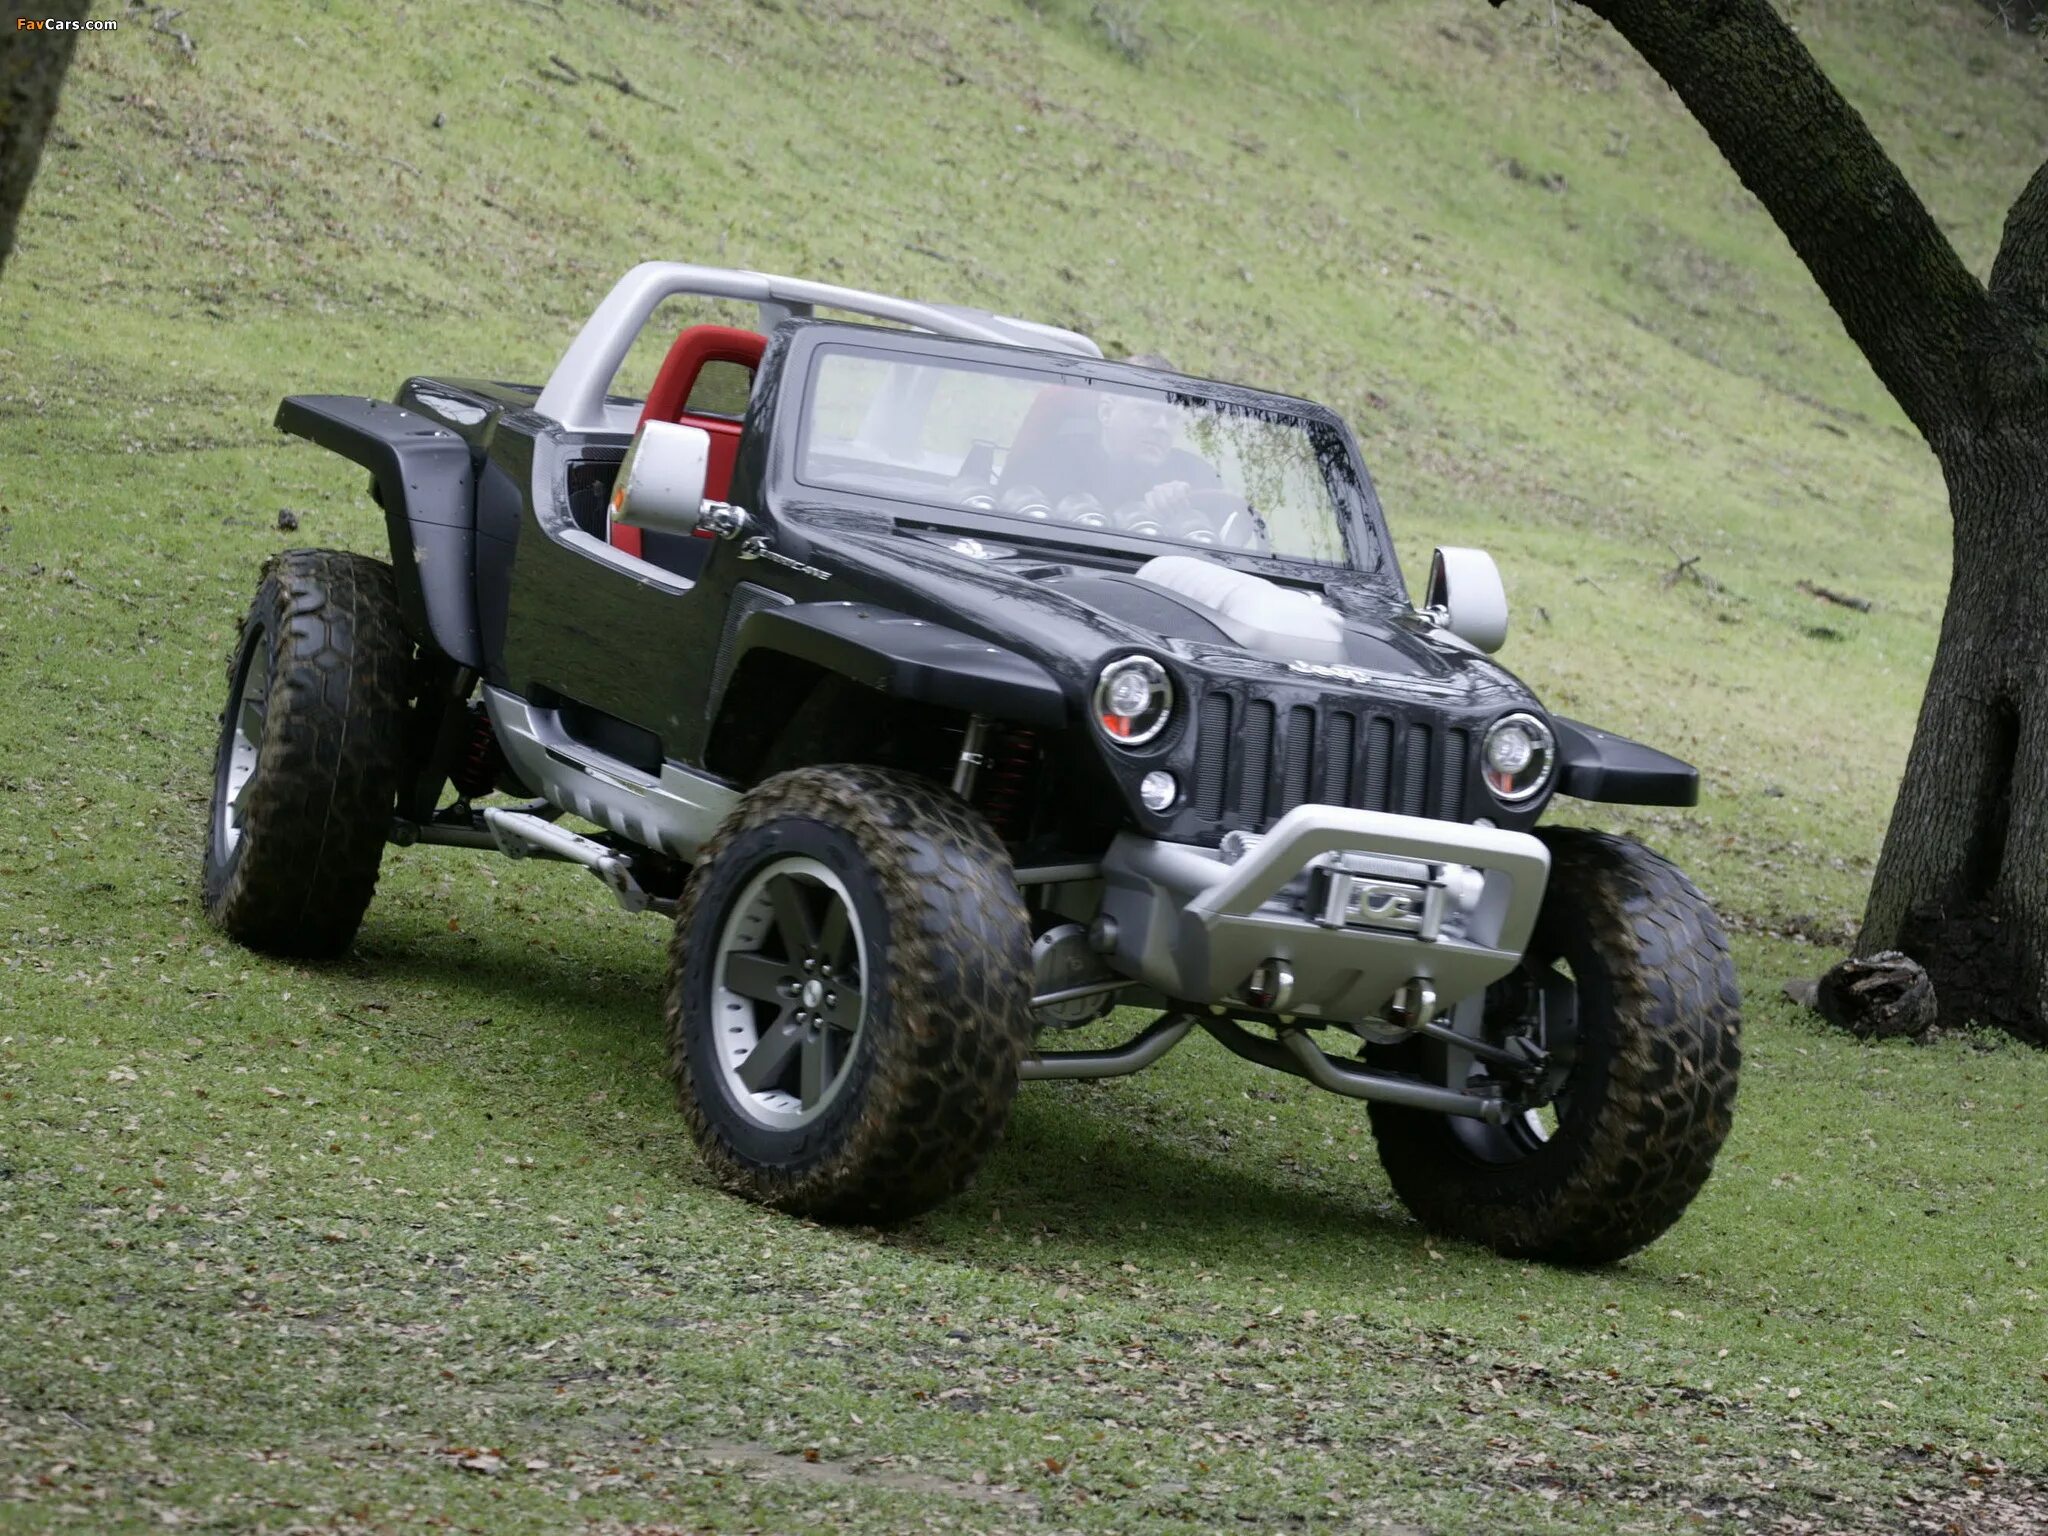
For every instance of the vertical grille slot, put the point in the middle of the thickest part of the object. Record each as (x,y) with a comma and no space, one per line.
(1340,741)
(1300,757)
(1212,754)
(1378,765)
(1450,800)
(1255,761)
(1415,771)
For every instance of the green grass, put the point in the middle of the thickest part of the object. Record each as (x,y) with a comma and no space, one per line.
(281,1247)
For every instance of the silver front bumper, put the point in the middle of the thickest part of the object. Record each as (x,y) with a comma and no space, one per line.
(1353,903)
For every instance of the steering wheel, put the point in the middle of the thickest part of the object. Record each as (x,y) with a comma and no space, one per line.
(1215,516)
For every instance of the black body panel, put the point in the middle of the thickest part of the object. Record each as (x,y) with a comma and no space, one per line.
(423,482)
(1597,765)
(909,659)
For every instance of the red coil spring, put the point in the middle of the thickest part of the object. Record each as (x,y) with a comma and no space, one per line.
(1006,782)
(477,772)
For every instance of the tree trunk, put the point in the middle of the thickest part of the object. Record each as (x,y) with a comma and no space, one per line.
(32,66)
(1962,882)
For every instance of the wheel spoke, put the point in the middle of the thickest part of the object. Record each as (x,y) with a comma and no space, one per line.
(249,718)
(844,1012)
(767,1061)
(817,1066)
(793,915)
(835,934)
(757,976)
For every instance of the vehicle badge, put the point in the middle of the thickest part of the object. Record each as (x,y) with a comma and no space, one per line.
(1336,672)
(973,549)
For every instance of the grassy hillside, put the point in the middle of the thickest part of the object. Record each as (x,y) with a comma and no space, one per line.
(419,1237)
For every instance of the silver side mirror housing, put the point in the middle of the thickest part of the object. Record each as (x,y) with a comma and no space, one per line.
(1465,596)
(661,484)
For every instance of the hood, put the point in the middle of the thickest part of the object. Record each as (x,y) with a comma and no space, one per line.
(1069,615)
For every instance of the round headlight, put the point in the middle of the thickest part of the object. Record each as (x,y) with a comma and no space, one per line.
(1519,757)
(1133,700)
(1158,789)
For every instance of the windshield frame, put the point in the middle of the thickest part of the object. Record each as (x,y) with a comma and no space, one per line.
(1361,523)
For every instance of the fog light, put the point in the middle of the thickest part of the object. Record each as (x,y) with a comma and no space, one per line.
(1519,756)
(1158,789)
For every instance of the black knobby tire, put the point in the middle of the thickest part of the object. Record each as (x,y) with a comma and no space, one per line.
(291,862)
(1649,1099)
(942,947)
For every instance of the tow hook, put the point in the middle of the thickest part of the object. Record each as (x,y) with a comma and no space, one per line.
(1270,986)
(1413,1005)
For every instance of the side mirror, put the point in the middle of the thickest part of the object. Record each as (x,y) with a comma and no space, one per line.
(1465,596)
(661,484)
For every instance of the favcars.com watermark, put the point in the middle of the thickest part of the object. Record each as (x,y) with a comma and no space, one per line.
(60,24)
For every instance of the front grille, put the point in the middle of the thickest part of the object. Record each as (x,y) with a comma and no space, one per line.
(1254,763)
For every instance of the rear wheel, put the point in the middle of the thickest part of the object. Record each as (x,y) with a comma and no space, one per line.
(1632,975)
(849,994)
(307,765)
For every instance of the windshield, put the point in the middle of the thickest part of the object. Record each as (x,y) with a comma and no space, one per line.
(1053,449)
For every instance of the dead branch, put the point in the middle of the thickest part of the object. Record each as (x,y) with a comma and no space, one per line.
(1841,599)
(1688,568)
(618,82)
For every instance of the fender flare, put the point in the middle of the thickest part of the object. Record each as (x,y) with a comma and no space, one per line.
(1598,765)
(908,659)
(423,480)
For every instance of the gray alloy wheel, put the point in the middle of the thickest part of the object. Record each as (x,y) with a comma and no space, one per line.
(247,706)
(787,993)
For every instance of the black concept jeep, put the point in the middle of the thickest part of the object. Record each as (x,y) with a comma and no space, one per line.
(950,687)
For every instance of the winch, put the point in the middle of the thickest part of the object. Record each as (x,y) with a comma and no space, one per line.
(1412,896)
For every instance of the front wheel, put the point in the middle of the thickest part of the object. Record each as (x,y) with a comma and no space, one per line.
(1637,984)
(848,994)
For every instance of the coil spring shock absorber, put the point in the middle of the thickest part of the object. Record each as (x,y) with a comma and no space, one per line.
(1006,783)
(476,770)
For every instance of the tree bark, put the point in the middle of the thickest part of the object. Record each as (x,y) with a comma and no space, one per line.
(32,66)
(1962,882)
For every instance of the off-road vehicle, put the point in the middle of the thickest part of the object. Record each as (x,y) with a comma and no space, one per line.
(950,687)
